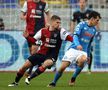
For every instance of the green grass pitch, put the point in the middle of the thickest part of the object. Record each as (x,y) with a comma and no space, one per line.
(94,81)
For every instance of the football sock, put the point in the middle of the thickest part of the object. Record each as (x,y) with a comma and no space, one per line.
(37,72)
(20,73)
(77,71)
(57,76)
(90,62)
(30,70)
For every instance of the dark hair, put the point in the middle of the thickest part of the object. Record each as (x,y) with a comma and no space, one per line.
(55,17)
(94,14)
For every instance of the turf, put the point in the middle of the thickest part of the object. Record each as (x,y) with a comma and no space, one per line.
(94,81)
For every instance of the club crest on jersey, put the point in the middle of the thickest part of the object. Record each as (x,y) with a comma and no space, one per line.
(40,6)
(55,35)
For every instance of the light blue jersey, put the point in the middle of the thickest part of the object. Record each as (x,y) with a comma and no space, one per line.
(83,36)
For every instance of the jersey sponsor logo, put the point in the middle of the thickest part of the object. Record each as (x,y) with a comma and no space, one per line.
(88,34)
(53,41)
(38,12)
(48,45)
(34,12)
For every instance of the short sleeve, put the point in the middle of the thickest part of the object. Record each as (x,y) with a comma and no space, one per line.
(24,8)
(64,34)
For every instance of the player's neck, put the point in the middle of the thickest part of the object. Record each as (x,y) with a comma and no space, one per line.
(51,28)
(89,23)
(83,9)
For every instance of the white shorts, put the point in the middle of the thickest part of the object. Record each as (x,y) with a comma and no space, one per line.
(72,55)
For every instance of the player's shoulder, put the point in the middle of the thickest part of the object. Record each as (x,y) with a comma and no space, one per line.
(82,23)
(94,27)
(76,11)
(89,10)
(64,31)
(45,28)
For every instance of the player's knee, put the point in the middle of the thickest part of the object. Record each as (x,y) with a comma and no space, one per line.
(32,52)
(26,65)
(64,65)
(61,69)
(82,60)
(48,63)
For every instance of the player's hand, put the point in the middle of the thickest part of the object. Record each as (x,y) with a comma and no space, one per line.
(25,34)
(23,17)
(79,47)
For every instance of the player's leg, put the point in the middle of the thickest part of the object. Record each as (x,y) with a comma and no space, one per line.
(90,63)
(58,74)
(81,59)
(67,59)
(33,48)
(47,63)
(42,68)
(21,72)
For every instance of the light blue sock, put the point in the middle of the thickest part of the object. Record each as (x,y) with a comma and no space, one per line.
(77,72)
(57,76)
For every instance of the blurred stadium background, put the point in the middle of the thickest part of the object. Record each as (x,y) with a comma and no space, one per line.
(13,47)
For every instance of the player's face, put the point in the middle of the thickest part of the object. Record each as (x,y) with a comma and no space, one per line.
(82,4)
(56,23)
(95,21)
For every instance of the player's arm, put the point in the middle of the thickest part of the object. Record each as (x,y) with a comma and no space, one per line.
(69,38)
(65,35)
(23,11)
(47,14)
(30,39)
(77,33)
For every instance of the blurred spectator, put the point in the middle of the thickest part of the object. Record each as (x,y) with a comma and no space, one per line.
(73,3)
(2,27)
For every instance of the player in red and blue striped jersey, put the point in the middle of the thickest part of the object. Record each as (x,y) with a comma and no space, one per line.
(51,38)
(33,11)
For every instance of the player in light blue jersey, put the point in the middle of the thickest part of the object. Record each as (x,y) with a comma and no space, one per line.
(79,50)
